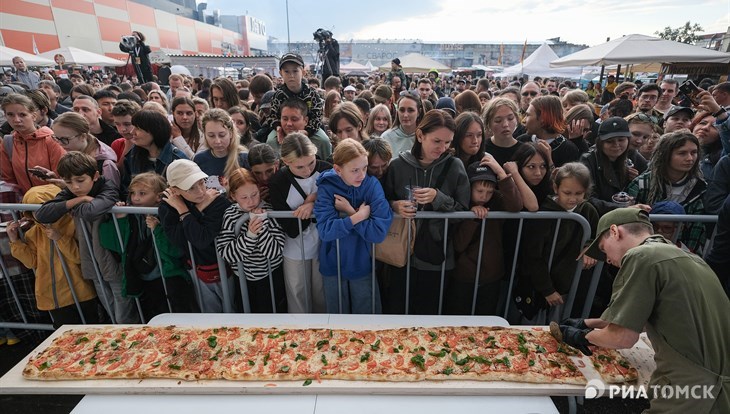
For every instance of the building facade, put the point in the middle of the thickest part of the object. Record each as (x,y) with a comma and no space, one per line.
(98,25)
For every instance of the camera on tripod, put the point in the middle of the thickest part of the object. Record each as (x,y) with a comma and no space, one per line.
(129,41)
(321,35)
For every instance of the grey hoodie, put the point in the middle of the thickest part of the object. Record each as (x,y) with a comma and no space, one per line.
(399,141)
(454,194)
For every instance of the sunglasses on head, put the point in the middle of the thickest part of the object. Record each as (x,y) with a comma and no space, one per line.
(411,94)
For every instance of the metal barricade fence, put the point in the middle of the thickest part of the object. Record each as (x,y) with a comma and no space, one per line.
(228,296)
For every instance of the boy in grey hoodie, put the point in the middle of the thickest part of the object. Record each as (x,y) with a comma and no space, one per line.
(88,197)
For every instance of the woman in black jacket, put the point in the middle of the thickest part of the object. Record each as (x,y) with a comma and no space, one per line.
(612,164)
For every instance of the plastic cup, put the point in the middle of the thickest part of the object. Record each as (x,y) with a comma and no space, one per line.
(623,199)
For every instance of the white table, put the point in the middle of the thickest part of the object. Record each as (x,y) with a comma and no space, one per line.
(319,404)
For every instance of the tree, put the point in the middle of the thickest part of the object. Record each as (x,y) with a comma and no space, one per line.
(684,34)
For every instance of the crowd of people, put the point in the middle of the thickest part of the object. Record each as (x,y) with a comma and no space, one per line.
(353,161)
(214,155)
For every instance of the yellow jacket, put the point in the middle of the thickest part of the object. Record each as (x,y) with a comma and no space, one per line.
(51,285)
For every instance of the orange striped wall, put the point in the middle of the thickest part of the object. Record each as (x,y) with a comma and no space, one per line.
(21,21)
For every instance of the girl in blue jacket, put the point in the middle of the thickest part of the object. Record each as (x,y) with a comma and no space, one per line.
(348,191)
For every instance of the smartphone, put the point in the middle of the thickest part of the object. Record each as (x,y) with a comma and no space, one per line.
(690,90)
(39,173)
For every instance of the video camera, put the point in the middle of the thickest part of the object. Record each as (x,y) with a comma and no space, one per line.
(320,35)
(129,41)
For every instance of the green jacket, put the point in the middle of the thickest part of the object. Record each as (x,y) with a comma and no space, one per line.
(693,234)
(171,257)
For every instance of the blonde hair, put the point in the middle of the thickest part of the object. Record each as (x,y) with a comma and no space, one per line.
(295,146)
(154,106)
(80,125)
(347,150)
(74,121)
(377,110)
(491,110)
(234,147)
(165,104)
(575,97)
(151,180)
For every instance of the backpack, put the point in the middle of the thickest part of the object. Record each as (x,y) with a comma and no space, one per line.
(8,145)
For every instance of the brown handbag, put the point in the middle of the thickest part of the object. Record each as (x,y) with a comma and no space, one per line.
(394,250)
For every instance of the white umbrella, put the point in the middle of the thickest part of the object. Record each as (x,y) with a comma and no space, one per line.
(636,48)
(180,69)
(7,54)
(77,56)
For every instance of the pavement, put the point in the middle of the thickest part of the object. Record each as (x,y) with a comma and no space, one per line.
(64,404)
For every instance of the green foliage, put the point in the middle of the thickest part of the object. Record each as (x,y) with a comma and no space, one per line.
(684,34)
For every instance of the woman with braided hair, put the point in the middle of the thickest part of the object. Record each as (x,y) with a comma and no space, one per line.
(674,175)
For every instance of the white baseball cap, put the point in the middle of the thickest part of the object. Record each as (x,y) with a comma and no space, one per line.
(183,174)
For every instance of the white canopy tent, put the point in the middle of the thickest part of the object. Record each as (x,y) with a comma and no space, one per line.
(353,66)
(538,64)
(7,54)
(637,48)
(416,62)
(77,56)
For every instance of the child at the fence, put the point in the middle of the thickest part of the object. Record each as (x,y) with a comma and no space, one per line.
(53,272)
(492,189)
(348,189)
(141,273)
(192,214)
(542,284)
(88,197)
(29,145)
(254,240)
(668,229)
(294,188)
(224,154)
(264,164)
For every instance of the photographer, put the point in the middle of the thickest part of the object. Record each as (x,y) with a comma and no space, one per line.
(139,53)
(329,53)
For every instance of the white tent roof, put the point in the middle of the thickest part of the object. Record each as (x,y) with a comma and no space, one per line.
(7,54)
(370,66)
(638,48)
(353,66)
(82,57)
(538,64)
(416,62)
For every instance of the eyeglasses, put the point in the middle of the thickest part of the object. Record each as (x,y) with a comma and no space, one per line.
(530,93)
(64,140)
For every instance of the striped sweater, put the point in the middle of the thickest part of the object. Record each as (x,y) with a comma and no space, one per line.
(256,252)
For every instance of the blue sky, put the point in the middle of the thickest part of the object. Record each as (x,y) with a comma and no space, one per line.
(578,21)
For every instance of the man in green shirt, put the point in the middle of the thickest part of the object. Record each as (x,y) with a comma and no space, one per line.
(676,298)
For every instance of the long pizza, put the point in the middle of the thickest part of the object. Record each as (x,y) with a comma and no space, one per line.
(250,354)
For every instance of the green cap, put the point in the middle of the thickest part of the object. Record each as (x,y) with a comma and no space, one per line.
(618,217)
